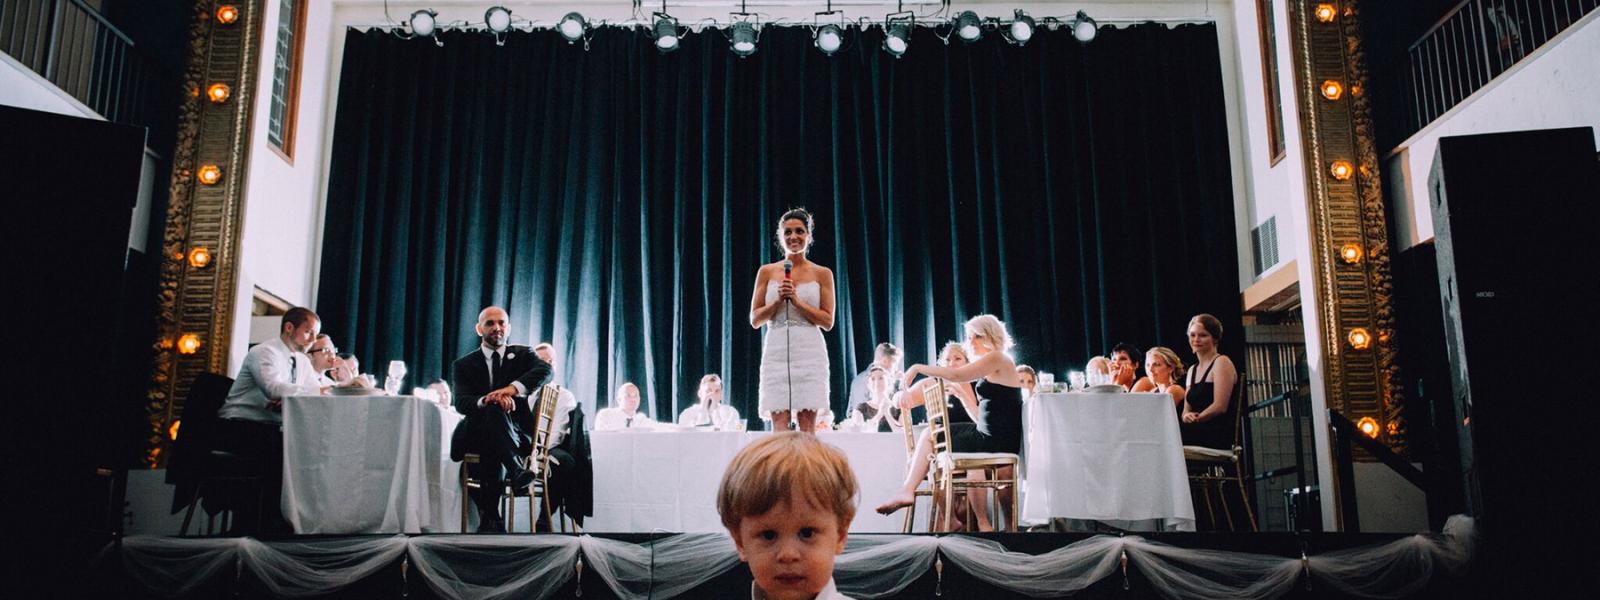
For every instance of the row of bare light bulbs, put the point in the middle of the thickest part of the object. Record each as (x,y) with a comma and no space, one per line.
(744,32)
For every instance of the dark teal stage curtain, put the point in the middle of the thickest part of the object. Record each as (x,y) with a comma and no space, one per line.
(618,201)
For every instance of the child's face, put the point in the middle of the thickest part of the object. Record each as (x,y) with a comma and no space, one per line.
(791,548)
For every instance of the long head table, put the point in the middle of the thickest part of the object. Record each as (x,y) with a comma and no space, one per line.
(667,480)
(1115,458)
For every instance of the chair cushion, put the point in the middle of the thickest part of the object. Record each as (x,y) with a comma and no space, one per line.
(1202,453)
(982,455)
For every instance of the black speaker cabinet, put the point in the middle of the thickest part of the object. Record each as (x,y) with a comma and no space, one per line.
(1515,232)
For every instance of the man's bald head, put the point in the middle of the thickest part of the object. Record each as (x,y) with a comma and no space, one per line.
(493,326)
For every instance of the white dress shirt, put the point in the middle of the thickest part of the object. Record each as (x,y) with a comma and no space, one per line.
(613,419)
(271,372)
(726,418)
(488,364)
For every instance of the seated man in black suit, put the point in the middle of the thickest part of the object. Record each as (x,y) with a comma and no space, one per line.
(491,387)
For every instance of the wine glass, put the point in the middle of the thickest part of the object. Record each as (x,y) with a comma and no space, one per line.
(397,372)
(1047,382)
(1079,381)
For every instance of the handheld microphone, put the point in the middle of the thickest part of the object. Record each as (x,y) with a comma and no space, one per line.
(788,265)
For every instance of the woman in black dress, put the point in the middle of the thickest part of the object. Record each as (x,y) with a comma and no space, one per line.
(997,424)
(1208,410)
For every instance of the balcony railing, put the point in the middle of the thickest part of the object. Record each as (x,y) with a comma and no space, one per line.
(1476,42)
(80,52)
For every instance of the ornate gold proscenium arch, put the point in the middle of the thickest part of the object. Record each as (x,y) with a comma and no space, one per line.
(1349,234)
(205,208)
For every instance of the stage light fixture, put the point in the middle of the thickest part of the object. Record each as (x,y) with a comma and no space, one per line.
(227,14)
(742,40)
(217,93)
(1332,90)
(1084,28)
(1021,29)
(1341,170)
(498,19)
(1350,254)
(209,174)
(1326,13)
(1359,338)
(1368,427)
(897,39)
(188,343)
(199,257)
(572,26)
(968,26)
(424,22)
(665,32)
(830,38)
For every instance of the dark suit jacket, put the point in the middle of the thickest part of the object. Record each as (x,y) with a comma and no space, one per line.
(469,381)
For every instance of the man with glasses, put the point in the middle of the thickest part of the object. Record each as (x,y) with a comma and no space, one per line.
(324,358)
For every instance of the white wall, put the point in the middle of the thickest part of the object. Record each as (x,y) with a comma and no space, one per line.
(1558,86)
(283,199)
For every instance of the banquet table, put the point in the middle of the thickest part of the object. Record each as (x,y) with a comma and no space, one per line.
(1116,458)
(369,464)
(667,480)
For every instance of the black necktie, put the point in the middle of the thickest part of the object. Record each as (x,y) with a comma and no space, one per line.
(496,370)
(292,365)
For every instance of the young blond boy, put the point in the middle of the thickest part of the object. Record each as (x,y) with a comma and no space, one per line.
(787,500)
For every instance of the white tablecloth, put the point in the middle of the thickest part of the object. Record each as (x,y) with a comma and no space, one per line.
(1115,458)
(369,464)
(667,480)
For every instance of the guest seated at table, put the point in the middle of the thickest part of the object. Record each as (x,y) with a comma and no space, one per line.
(492,384)
(961,403)
(1208,411)
(571,477)
(251,418)
(999,415)
(1030,380)
(1125,359)
(441,391)
(1163,369)
(877,412)
(324,357)
(886,357)
(710,410)
(347,372)
(624,412)
(1098,367)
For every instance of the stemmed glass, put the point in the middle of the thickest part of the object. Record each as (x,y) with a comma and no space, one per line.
(1079,382)
(397,372)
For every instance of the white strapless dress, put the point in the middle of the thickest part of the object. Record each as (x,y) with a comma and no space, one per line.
(794,359)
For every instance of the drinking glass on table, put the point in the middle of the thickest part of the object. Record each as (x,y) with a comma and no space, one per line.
(1047,382)
(397,372)
(1079,382)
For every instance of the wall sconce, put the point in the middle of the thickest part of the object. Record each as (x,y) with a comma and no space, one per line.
(227,14)
(1341,170)
(1350,254)
(188,343)
(1326,13)
(1368,427)
(1359,338)
(199,257)
(210,174)
(1332,90)
(218,93)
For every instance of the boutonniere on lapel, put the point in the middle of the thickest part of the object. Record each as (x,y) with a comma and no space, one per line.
(510,355)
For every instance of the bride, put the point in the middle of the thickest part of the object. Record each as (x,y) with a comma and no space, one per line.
(794,299)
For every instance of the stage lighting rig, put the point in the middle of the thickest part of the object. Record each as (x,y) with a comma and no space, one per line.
(897,33)
(828,38)
(665,32)
(968,26)
(1021,28)
(1084,28)
(573,27)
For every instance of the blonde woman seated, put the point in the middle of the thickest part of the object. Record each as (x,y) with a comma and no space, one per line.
(710,410)
(1163,369)
(1098,369)
(624,412)
(998,418)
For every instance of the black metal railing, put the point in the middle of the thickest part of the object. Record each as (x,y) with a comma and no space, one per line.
(1347,437)
(1476,42)
(1283,466)
(74,47)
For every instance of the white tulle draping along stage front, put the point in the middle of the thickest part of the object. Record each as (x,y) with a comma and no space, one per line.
(872,566)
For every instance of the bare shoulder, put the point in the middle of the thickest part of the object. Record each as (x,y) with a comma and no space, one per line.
(1224,361)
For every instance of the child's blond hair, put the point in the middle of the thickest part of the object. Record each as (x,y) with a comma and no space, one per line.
(766,473)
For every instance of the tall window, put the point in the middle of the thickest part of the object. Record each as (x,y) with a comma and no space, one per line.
(1269,77)
(286,78)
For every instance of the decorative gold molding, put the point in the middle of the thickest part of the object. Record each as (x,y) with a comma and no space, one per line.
(200,300)
(1360,383)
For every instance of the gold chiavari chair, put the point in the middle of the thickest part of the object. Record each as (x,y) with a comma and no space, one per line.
(952,467)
